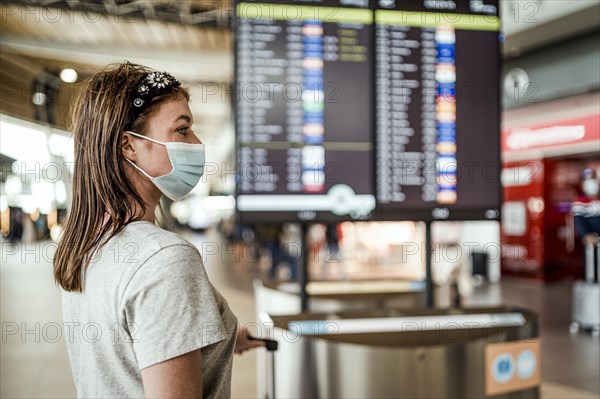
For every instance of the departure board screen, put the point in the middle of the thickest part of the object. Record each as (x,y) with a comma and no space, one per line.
(367,110)
(437,109)
(304,110)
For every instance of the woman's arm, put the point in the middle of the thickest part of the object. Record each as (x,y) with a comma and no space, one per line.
(179,377)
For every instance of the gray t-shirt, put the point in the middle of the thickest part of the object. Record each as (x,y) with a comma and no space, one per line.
(146,299)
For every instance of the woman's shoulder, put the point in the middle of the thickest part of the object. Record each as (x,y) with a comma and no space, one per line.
(147,239)
(159,258)
(142,255)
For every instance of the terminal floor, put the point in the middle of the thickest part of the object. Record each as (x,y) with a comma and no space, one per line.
(34,364)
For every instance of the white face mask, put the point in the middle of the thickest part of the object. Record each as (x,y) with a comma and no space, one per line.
(187,161)
(591,187)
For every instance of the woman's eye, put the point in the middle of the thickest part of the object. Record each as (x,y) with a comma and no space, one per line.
(182,130)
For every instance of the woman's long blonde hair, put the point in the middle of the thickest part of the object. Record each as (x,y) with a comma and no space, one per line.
(100,113)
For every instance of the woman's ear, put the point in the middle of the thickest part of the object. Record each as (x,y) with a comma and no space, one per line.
(126,146)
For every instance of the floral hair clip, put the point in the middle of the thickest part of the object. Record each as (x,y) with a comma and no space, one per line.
(155,83)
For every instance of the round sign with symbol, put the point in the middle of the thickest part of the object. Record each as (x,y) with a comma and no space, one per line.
(526,364)
(503,368)
(342,199)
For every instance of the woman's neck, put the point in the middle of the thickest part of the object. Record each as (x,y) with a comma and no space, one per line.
(147,191)
(150,215)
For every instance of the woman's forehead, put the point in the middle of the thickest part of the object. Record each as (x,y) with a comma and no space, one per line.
(174,111)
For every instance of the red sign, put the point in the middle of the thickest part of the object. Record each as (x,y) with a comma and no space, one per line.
(573,131)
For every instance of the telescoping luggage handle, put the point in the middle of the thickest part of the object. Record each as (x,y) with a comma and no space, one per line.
(271,346)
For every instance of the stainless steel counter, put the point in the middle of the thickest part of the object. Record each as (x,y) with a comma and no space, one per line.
(391,353)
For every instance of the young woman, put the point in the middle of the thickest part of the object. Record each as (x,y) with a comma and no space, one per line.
(141,317)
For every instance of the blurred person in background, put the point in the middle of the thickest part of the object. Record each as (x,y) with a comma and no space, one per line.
(15,233)
(333,241)
(586,211)
(269,236)
(160,327)
(291,244)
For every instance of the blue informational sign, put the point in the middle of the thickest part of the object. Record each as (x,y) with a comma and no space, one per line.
(526,364)
(503,368)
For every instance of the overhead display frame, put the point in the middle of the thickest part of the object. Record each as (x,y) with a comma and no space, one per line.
(437,109)
(382,111)
(303,118)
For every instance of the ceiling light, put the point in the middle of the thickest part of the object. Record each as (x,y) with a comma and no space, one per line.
(39,99)
(68,75)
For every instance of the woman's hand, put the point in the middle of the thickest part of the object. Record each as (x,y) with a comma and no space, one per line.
(590,239)
(244,343)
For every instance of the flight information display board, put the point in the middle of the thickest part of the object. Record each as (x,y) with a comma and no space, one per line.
(304,111)
(367,110)
(437,109)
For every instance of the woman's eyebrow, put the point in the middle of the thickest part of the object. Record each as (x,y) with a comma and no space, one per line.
(184,117)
